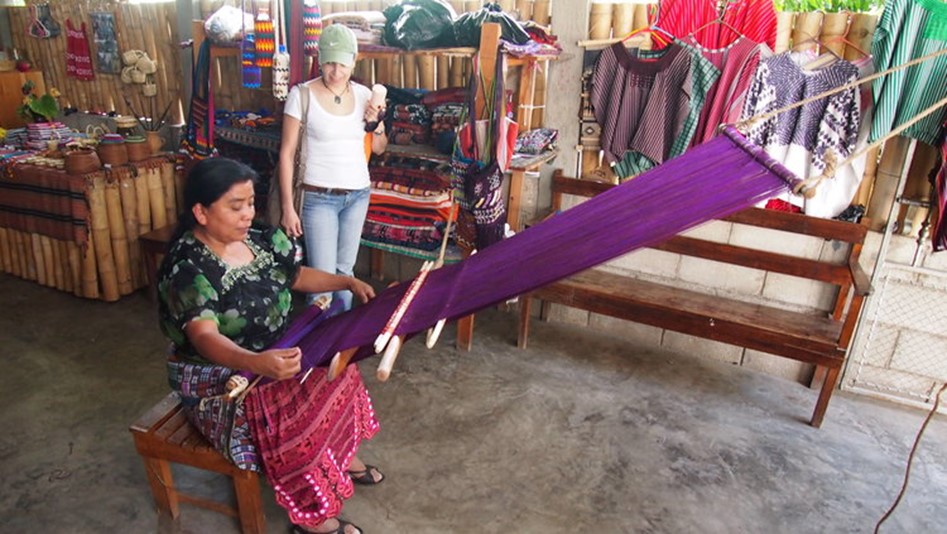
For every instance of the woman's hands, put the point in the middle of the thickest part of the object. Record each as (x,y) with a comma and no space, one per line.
(374,113)
(278,364)
(361,290)
(291,223)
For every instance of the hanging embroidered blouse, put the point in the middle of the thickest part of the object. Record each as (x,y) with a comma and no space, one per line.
(909,29)
(78,54)
(800,138)
(703,75)
(641,105)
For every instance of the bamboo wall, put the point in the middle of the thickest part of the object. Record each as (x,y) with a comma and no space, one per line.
(151,27)
(124,203)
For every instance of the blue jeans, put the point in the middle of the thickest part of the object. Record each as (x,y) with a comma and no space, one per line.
(332,230)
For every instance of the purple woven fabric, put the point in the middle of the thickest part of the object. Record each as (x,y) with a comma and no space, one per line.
(710,181)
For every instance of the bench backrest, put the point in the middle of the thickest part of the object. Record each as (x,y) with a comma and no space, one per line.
(846,275)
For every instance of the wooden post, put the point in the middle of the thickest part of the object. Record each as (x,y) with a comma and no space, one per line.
(895,160)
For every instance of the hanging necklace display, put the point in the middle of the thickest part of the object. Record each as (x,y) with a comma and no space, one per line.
(338,97)
(280,57)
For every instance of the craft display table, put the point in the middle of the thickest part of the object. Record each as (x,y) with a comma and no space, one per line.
(80,233)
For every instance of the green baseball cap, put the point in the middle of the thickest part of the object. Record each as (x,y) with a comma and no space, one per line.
(337,44)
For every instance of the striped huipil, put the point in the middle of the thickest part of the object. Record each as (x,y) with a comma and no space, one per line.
(909,29)
(641,105)
(703,76)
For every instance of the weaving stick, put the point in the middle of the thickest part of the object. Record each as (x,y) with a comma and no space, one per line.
(339,362)
(435,331)
(388,359)
(382,340)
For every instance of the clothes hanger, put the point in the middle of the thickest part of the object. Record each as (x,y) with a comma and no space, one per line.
(660,35)
(720,22)
(848,43)
(827,57)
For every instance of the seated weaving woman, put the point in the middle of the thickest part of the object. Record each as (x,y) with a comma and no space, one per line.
(225,300)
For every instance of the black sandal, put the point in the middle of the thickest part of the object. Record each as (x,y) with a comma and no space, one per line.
(366,477)
(296,529)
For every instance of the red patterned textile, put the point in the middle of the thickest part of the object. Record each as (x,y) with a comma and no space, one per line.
(755,19)
(41,200)
(78,55)
(306,435)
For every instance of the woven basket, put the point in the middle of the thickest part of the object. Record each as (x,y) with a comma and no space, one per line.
(112,153)
(137,150)
(82,161)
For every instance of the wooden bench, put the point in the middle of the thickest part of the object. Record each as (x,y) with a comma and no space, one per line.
(819,339)
(163,436)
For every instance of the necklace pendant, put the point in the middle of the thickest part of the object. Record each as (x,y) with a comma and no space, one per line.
(338,99)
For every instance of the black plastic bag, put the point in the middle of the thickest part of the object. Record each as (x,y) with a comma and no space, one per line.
(467,26)
(416,24)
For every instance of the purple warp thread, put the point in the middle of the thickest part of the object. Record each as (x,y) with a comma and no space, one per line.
(710,181)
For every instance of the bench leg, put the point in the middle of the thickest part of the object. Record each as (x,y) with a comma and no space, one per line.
(522,337)
(162,486)
(246,486)
(828,387)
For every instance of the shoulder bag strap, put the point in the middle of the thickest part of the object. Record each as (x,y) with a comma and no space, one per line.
(300,163)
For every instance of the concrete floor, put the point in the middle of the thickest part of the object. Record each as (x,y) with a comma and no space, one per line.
(580,433)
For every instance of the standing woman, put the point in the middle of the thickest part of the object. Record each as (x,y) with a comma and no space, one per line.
(224,290)
(336,181)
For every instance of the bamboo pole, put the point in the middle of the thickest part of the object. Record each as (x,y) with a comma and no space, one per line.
(159,214)
(18,253)
(541,12)
(784,24)
(456,72)
(119,240)
(75,267)
(126,188)
(90,273)
(99,219)
(142,203)
(895,158)
(807,26)
(426,74)
(623,19)
(63,252)
(36,248)
(835,25)
(539,94)
(860,32)
(863,194)
(166,173)
(443,72)
(5,258)
(409,65)
(53,268)
(31,271)
(179,179)
(600,20)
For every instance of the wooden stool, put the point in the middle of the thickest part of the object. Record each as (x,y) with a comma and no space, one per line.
(153,245)
(162,436)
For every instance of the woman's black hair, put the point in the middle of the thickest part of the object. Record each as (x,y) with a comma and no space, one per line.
(209,180)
